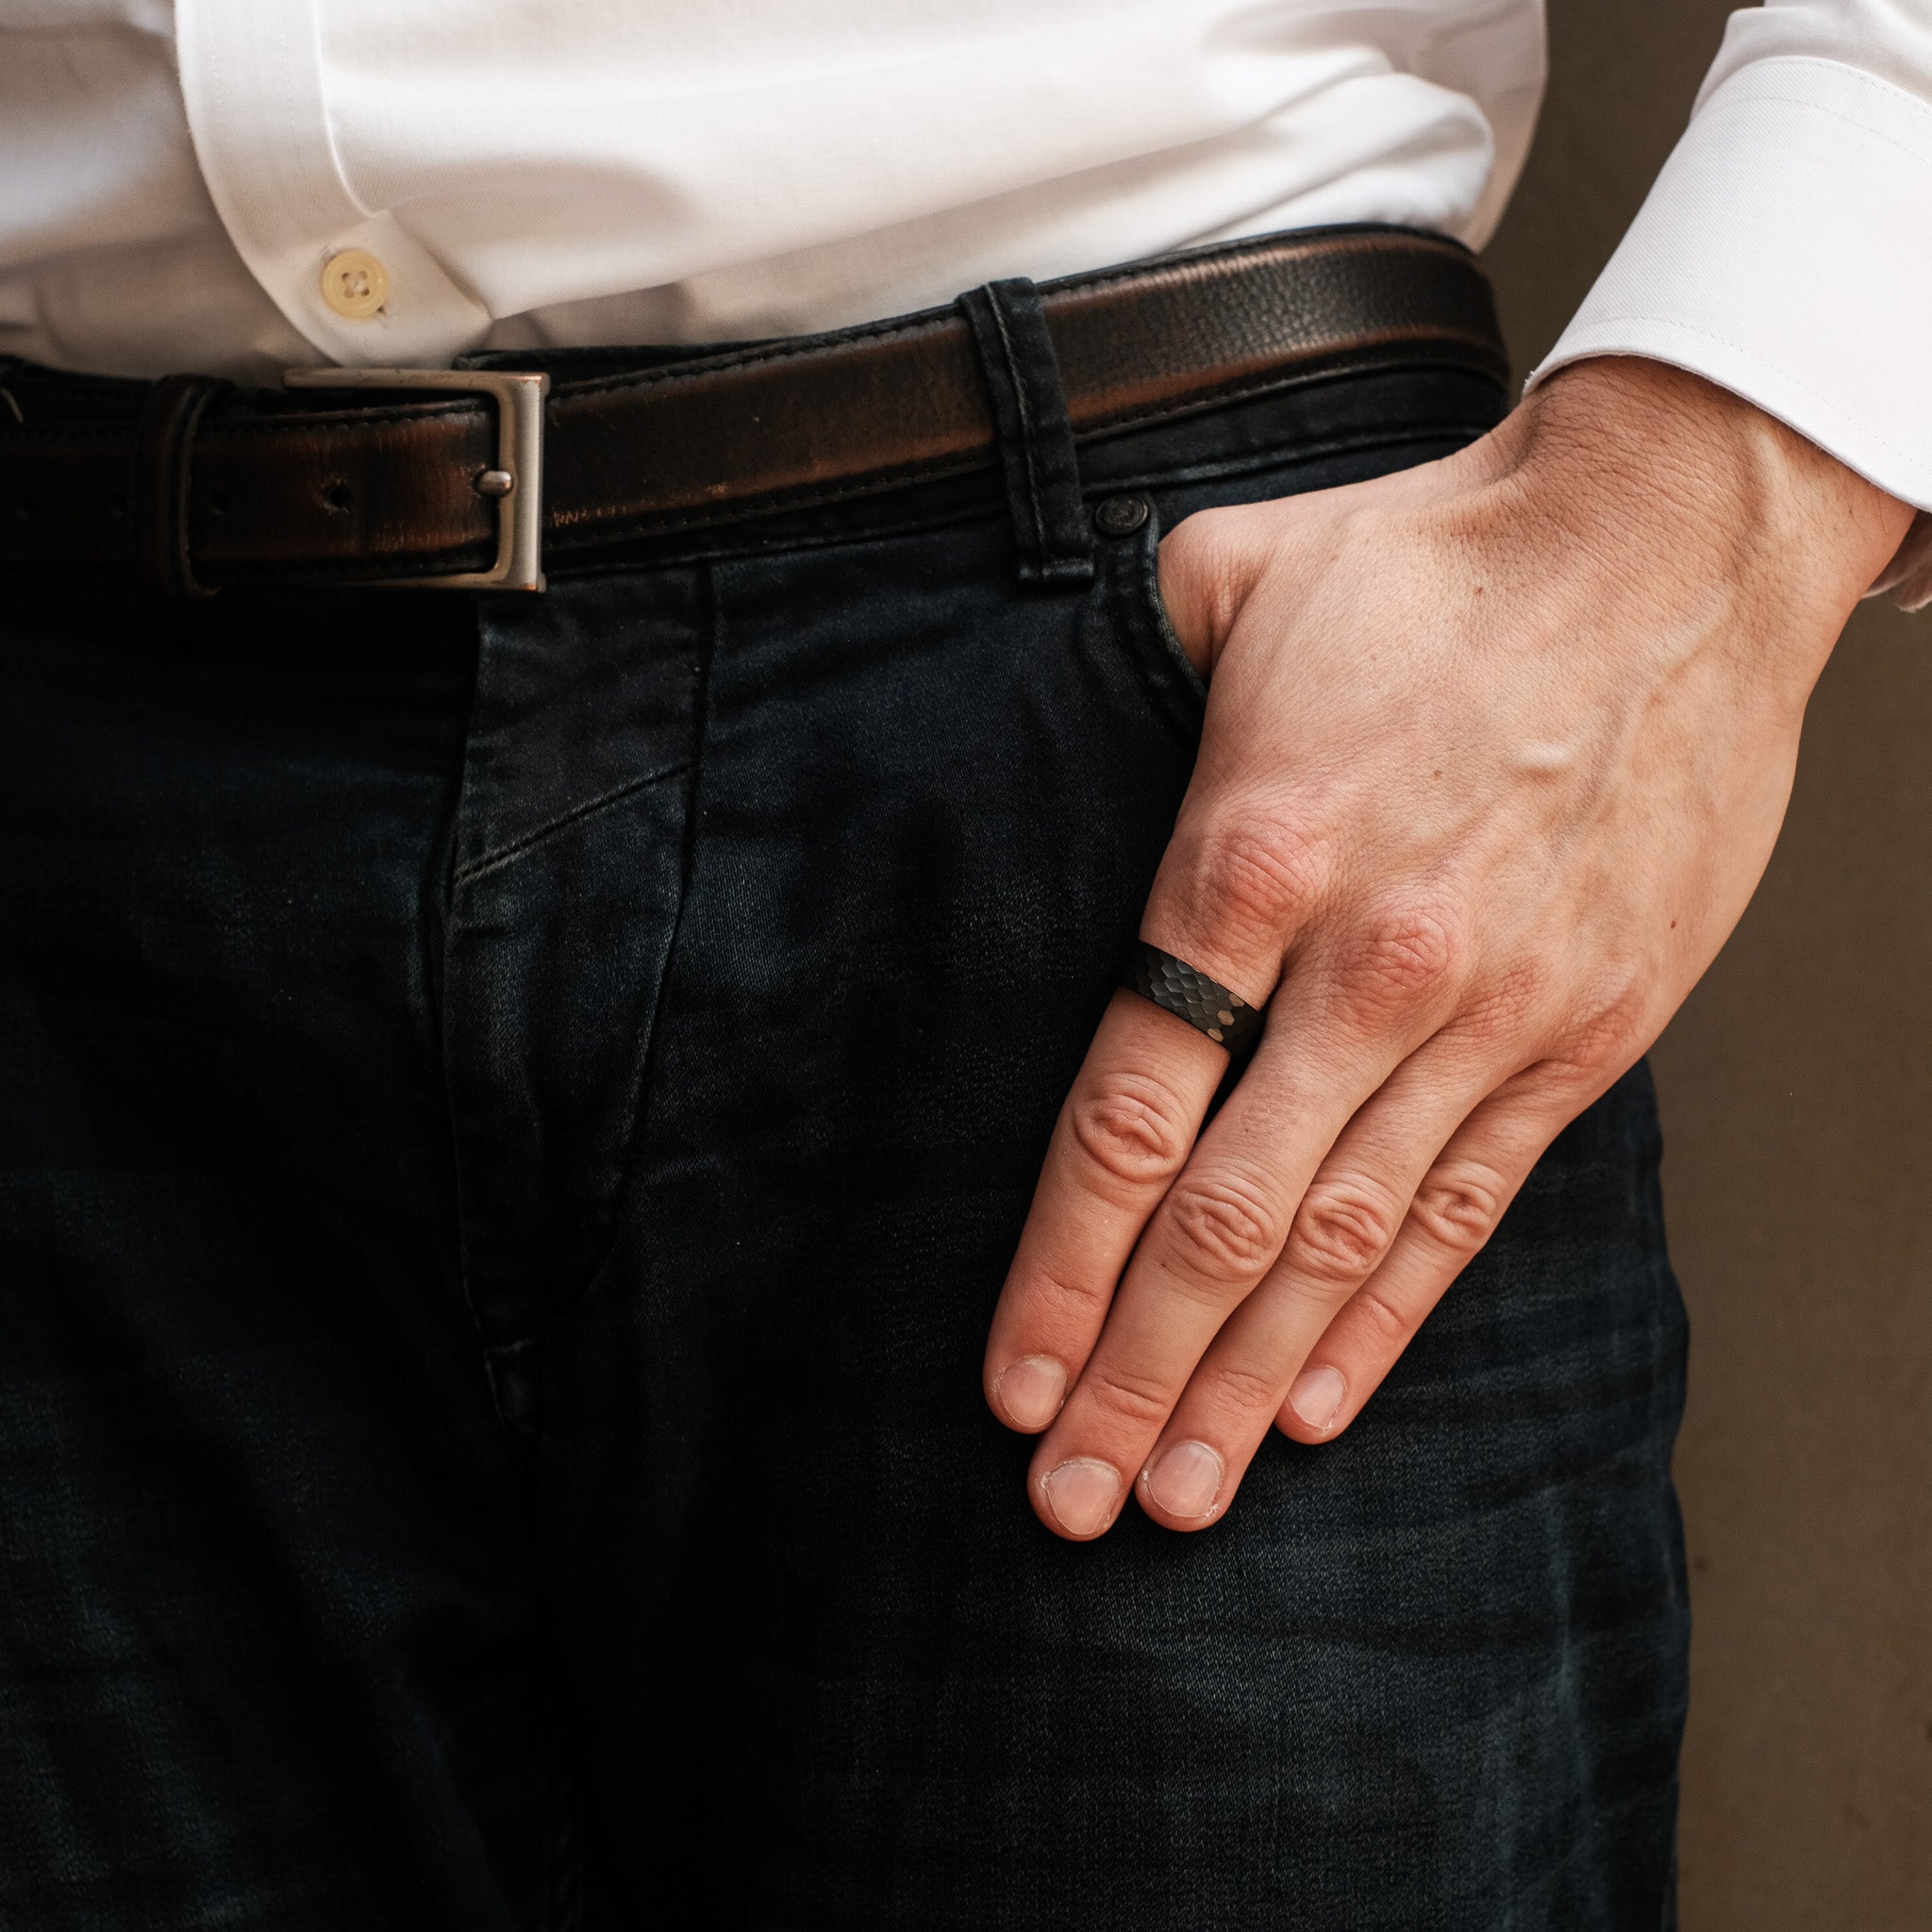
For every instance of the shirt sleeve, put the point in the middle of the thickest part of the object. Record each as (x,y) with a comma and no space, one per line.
(1785,249)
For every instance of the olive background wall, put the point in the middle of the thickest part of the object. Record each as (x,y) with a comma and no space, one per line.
(1797,1100)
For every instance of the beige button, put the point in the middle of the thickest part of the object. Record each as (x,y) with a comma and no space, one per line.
(354,284)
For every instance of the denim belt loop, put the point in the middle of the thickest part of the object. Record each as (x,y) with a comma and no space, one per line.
(1035,434)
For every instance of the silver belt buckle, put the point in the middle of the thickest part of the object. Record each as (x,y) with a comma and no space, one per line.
(516,483)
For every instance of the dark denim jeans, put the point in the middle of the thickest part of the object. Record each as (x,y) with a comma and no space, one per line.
(513,1115)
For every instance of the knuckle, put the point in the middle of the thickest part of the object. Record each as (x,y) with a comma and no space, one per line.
(1458,1205)
(1341,1229)
(1253,875)
(1392,1327)
(1131,1127)
(1125,1396)
(1242,1389)
(1406,956)
(1079,1302)
(1604,1037)
(1220,1229)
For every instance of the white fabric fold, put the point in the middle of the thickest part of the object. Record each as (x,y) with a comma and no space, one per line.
(252,84)
(554,172)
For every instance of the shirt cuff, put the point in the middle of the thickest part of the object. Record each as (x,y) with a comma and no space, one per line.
(1785,254)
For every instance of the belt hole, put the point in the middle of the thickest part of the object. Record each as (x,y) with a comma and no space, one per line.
(337,496)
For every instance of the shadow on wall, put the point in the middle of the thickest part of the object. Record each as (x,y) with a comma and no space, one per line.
(1797,1100)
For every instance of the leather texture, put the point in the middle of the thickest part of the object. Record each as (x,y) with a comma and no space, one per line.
(194,487)
(160,494)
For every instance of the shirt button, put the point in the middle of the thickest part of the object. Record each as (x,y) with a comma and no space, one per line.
(354,284)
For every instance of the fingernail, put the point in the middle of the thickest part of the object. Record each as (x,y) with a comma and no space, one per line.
(1186,1481)
(1029,1391)
(1081,1494)
(1316,1395)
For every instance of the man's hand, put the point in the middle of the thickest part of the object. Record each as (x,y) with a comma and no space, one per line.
(1495,752)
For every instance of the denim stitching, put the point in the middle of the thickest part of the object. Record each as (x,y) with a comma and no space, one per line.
(475,868)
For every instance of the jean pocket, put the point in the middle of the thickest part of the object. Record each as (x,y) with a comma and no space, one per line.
(1129,584)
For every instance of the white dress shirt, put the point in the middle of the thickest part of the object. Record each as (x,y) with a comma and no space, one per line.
(179,178)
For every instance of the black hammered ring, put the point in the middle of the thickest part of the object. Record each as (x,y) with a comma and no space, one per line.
(1187,994)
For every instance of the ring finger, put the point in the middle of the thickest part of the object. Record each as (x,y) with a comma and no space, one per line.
(1353,1215)
(1462,1198)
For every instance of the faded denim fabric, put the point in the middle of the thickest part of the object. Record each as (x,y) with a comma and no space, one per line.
(513,1118)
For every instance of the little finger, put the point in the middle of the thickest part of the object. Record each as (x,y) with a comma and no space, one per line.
(1457,1207)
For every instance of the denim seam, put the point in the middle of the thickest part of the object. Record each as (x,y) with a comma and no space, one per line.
(1225,469)
(502,855)
(1168,683)
(1147,573)
(458,1232)
(563,1841)
(695,768)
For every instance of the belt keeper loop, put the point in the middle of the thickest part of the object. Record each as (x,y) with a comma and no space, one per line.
(1035,431)
(163,469)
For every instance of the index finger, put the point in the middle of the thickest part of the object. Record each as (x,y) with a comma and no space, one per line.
(1124,1132)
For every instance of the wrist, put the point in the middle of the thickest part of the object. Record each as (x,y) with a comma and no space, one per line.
(1640,462)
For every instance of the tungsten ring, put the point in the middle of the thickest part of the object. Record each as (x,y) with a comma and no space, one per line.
(1187,994)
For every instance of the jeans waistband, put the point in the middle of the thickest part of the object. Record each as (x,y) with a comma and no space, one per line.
(194,486)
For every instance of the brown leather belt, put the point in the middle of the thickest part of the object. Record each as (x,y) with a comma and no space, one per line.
(195,485)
